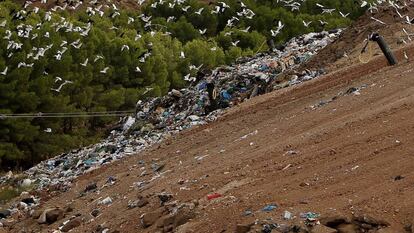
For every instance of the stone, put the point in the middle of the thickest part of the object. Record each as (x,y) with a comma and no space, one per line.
(142,202)
(138,203)
(243,228)
(72,224)
(347,228)
(26,183)
(50,216)
(22,206)
(150,218)
(69,208)
(36,214)
(183,216)
(323,229)
(387,230)
(164,197)
(5,213)
(95,213)
(364,220)
(90,187)
(334,221)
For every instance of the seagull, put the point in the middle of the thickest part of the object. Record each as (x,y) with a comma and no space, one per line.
(364,3)
(137,69)
(124,47)
(185,9)
(170,19)
(343,15)
(199,11)
(182,55)
(306,24)
(85,62)
(328,11)
(323,23)
(245,30)
(188,78)
(319,5)
(235,43)
(98,57)
(202,32)
(104,70)
(61,85)
(228,33)
(58,79)
(377,20)
(193,67)
(4,72)
(48,130)
(408,20)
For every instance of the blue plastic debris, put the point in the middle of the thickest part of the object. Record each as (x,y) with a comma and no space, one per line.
(269,208)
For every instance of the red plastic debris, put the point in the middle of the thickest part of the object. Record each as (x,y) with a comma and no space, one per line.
(213,196)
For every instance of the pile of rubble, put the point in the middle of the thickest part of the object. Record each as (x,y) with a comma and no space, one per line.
(203,101)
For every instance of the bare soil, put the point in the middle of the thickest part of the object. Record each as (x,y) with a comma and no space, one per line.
(351,156)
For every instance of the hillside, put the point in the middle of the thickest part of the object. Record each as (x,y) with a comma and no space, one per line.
(333,154)
(348,158)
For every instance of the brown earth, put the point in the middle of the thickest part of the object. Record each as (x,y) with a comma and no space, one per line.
(352,41)
(352,156)
(347,156)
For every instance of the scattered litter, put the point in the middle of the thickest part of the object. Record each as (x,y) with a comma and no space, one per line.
(269,208)
(287,215)
(106,201)
(213,196)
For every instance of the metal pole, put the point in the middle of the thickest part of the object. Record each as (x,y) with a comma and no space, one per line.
(212,97)
(384,48)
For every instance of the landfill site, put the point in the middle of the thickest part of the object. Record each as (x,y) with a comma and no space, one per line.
(312,137)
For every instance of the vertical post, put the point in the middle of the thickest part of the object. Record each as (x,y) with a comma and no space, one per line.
(384,48)
(212,97)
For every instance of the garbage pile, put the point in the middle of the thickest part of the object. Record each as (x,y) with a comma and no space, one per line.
(203,101)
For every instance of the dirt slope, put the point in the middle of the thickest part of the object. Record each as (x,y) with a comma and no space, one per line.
(351,41)
(353,155)
(340,145)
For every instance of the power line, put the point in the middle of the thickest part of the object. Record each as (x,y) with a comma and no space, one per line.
(66,114)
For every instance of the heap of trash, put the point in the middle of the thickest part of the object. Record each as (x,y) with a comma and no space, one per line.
(203,101)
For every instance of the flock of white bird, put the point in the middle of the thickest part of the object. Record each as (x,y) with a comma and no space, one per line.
(96,8)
